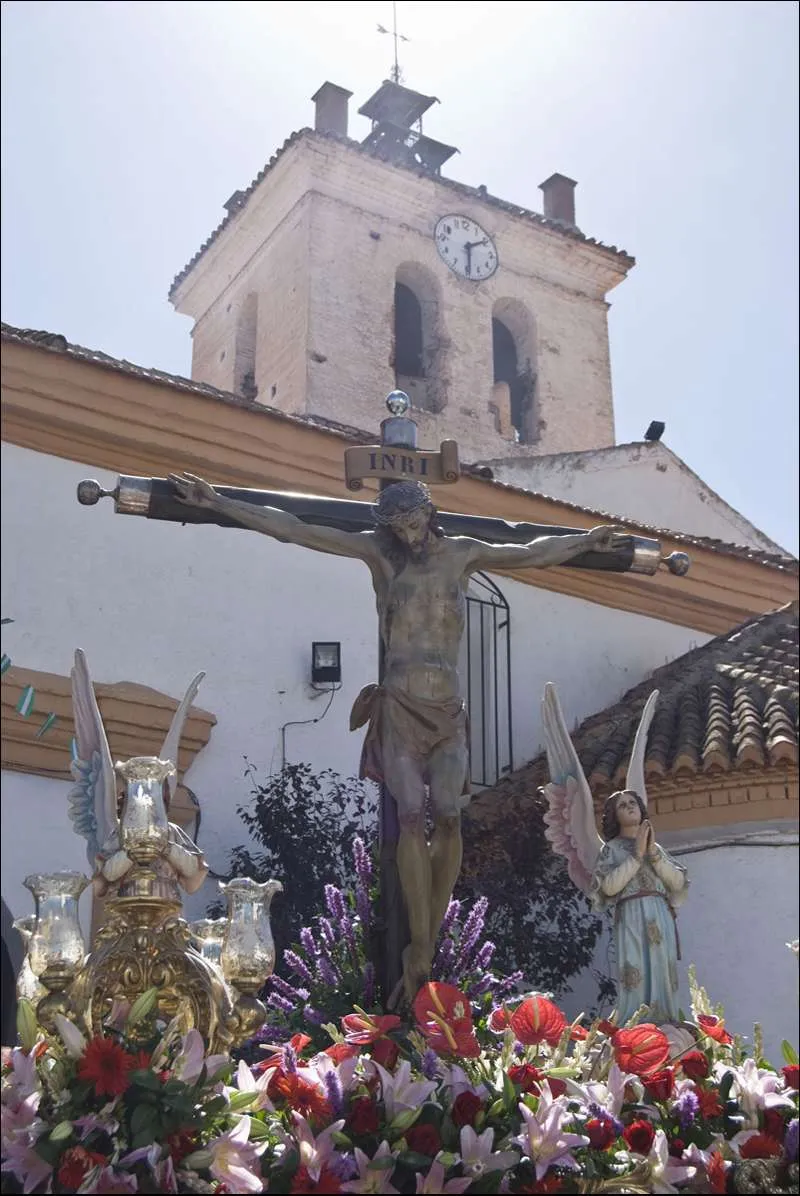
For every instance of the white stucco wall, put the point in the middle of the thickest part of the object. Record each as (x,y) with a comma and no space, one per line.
(646,482)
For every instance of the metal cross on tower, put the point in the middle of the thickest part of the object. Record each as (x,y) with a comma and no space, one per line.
(398,37)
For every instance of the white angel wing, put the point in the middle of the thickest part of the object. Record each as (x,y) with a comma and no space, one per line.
(635,777)
(569,821)
(93,797)
(171,744)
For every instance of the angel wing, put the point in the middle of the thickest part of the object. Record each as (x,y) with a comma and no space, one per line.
(171,744)
(93,797)
(569,821)
(635,777)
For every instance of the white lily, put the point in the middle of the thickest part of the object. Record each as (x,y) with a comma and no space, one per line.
(400,1092)
(70,1035)
(664,1169)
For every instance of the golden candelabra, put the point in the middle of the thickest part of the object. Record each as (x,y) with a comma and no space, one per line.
(144,942)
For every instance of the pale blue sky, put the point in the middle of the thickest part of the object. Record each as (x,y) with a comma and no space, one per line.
(127,125)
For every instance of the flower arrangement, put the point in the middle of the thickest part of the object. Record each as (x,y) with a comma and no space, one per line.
(452,1101)
(329,971)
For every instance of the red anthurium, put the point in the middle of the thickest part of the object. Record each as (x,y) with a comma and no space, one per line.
(444,1015)
(538,1020)
(714,1027)
(641,1050)
(340,1051)
(361,1028)
(499,1020)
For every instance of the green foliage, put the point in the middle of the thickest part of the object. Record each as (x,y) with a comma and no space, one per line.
(541,923)
(304,824)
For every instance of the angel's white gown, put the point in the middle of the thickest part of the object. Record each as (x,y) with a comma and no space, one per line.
(644,895)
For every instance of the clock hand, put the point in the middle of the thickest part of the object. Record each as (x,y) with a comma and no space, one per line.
(468,247)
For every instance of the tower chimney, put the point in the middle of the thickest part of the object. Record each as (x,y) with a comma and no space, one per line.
(559,199)
(330,109)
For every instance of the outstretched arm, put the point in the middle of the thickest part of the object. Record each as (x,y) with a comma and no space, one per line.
(544,551)
(195,492)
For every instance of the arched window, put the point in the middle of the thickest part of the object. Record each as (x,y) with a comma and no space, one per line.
(485,668)
(244,369)
(408,342)
(513,345)
(418,339)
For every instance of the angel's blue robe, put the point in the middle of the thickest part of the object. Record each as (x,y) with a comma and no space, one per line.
(643,897)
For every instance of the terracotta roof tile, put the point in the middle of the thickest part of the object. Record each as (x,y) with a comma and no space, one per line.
(55,342)
(730,705)
(462,189)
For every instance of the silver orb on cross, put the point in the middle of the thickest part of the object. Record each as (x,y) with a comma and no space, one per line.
(398,402)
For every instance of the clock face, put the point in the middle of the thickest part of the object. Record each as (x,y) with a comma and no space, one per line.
(467,249)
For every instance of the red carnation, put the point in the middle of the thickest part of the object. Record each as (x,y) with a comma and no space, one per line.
(659,1084)
(550,1183)
(640,1136)
(105,1065)
(714,1027)
(709,1103)
(363,1117)
(715,1173)
(466,1108)
(361,1028)
(791,1075)
(695,1065)
(600,1132)
(641,1050)
(424,1139)
(676,1148)
(444,1015)
(525,1076)
(538,1020)
(76,1163)
(385,1052)
(760,1146)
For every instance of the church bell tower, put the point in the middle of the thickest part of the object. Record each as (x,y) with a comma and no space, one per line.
(351,267)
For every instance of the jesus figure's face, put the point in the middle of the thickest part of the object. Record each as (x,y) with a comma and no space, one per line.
(414,530)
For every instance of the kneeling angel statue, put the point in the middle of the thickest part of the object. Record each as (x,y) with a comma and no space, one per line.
(625,871)
(94,804)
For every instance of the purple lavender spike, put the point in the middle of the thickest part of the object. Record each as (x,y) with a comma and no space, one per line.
(327,972)
(333,1088)
(334,899)
(299,967)
(484,956)
(307,942)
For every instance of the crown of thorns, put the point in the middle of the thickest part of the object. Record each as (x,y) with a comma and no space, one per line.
(400,500)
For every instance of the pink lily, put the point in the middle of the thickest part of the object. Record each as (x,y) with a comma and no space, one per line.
(23,1162)
(108,1182)
(314,1151)
(433,1182)
(400,1092)
(477,1156)
(375,1180)
(189,1063)
(247,1082)
(542,1139)
(234,1159)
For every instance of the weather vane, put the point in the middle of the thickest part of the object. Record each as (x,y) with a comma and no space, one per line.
(398,37)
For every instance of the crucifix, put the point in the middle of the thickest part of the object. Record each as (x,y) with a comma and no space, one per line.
(420,561)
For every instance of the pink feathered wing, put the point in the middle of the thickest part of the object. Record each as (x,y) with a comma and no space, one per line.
(569,821)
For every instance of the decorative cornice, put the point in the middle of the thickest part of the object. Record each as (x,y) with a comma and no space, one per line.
(85,410)
(136,720)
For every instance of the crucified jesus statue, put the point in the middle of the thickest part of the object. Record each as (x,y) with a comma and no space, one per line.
(416,739)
